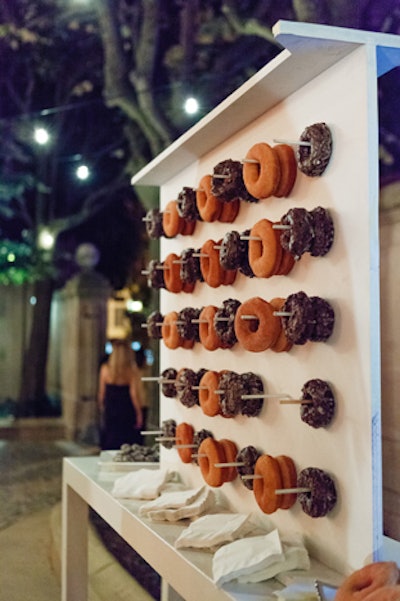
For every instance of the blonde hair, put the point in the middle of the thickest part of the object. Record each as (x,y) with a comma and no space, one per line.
(121,363)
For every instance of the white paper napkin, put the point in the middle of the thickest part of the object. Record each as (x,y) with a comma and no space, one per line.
(246,556)
(213,530)
(172,500)
(141,484)
(204,502)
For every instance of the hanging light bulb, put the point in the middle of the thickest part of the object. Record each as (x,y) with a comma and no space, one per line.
(191,105)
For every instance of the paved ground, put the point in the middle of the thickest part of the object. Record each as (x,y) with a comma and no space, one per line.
(30,531)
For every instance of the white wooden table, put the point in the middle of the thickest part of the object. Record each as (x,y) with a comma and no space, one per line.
(186,574)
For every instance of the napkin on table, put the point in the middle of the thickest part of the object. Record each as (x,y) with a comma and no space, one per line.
(141,484)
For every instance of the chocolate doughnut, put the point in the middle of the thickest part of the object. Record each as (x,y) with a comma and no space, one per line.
(313,160)
(168,428)
(153,325)
(186,328)
(253,385)
(244,265)
(233,387)
(320,413)
(186,204)
(231,186)
(299,324)
(224,322)
(248,455)
(169,388)
(190,266)
(198,438)
(154,224)
(323,319)
(324,231)
(186,379)
(155,276)
(230,251)
(322,496)
(299,238)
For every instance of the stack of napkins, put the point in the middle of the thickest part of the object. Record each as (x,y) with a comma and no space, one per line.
(258,558)
(211,531)
(142,484)
(178,505)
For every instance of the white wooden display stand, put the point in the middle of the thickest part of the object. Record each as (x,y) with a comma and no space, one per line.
(323,74)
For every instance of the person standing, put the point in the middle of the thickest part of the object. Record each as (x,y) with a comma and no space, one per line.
(119,398)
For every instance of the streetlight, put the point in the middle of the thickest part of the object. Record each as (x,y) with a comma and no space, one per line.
(82,172)
(191,105)
(41,136)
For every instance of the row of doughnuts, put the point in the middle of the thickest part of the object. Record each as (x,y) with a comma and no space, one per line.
(275,482)
(265,171)
(256,324)
(265,250)
(228,394)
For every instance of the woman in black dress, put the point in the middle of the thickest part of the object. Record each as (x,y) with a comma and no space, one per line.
(118,398)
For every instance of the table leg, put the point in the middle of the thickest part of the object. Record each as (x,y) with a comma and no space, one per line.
(74,546)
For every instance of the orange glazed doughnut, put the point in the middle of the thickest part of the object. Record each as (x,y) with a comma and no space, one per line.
(368,579)
(208,336)
(188,227)
(208,400)
(210,266)
(231,450)
(229,211)
(264,488)
(208,205)
(288,164)
(289,480)
(361,583)
(265,255)
(385,593)
(259,333)
(282,343)
(169,331)
(172,273)
(172,221)
(262,177)
(210,453)
(184,436)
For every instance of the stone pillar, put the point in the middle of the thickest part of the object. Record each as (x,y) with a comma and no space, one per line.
(83,335)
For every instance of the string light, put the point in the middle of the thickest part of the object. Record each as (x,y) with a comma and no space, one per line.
(41,135)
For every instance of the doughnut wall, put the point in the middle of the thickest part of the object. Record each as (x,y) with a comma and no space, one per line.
(338,358)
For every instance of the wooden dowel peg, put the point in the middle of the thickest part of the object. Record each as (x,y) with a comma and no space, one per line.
(198,455)
(248,317)
(185,446)
(221,318)
(282,314)
(251,476)
(199,320)
(247,397)
(220,175)
(281,226)
(145,272)
(199,387)
(166,439)
(292,142)
(296,402)
(250,161)
(297,489)
(230,464)
(200,255)
(257,238)
(150,432)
